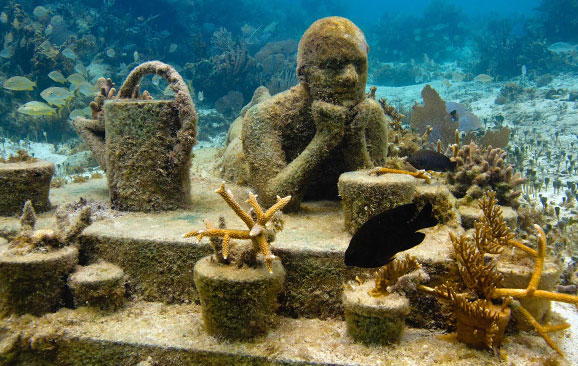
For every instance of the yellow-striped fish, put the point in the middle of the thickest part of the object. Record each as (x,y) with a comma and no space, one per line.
(19,83)
(57,76)
(76,79)
(35,108)
(56,95)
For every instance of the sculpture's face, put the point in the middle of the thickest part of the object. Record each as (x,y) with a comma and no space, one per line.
(332,61)
(339,80)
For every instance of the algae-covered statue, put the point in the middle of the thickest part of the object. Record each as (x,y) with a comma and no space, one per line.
(298,142)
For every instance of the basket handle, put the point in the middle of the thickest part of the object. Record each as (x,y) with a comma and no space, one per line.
(183,101)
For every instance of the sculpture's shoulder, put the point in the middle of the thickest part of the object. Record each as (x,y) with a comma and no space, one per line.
(280,109)
(370,105)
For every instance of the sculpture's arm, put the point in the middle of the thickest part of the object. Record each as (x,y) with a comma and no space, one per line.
(271,171)
(366,137)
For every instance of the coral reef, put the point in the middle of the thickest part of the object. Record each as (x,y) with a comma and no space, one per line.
(481,169)
(298,142)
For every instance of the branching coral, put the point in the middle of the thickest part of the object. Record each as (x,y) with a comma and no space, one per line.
(28,240)
(391,272)
(482,279)
(491,233)
(256,222)
(421,174)
(483,169)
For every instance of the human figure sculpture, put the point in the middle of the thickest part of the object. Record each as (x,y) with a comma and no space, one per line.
(298,142)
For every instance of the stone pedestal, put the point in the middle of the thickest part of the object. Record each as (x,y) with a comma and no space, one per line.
(100,285)
(35,283)
(238,303)
(364,196)
(374,320)
(20,182)
(518,275)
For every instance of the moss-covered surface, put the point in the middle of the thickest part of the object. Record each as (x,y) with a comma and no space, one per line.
(173,335)
(373,320)
(440,197)
(158,262)
(20,182)
(100,284)
(238,303)
(35,283)
(364,196)
(141,169)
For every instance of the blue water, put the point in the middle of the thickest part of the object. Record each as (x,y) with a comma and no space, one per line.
(224,47)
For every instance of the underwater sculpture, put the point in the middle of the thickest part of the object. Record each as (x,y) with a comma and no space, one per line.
(147,143)
(298,142)
(45,254)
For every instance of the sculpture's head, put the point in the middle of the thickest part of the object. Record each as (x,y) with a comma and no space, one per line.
(332,61)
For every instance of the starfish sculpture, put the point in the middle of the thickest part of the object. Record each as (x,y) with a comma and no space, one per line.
(256,225)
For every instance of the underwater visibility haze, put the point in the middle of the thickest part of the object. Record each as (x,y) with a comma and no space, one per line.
(405,172)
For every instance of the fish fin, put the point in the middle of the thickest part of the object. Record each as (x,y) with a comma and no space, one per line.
(424,218)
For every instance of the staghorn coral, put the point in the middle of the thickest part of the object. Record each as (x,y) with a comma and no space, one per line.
(482,280)
(491,233)
(483,169)
(28,240)
(420,174)
(256,222)
(389,274)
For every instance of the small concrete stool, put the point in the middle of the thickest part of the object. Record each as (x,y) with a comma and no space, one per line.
(100,285)
(440,197)
(364,196)
(374,320)
(20,182)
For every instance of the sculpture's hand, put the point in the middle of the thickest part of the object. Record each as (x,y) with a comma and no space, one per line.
(355,146)
(329,120)
(357,120)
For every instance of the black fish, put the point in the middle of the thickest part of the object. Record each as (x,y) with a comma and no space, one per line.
(388,233)
(431,160)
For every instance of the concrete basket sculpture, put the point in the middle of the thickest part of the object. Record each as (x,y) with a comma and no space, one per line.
(147,143)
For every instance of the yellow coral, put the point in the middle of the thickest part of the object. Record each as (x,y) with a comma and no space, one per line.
(256,232)
(388,274)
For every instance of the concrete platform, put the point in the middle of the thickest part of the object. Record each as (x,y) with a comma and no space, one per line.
(158,262)
(173,335)
(163,321)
